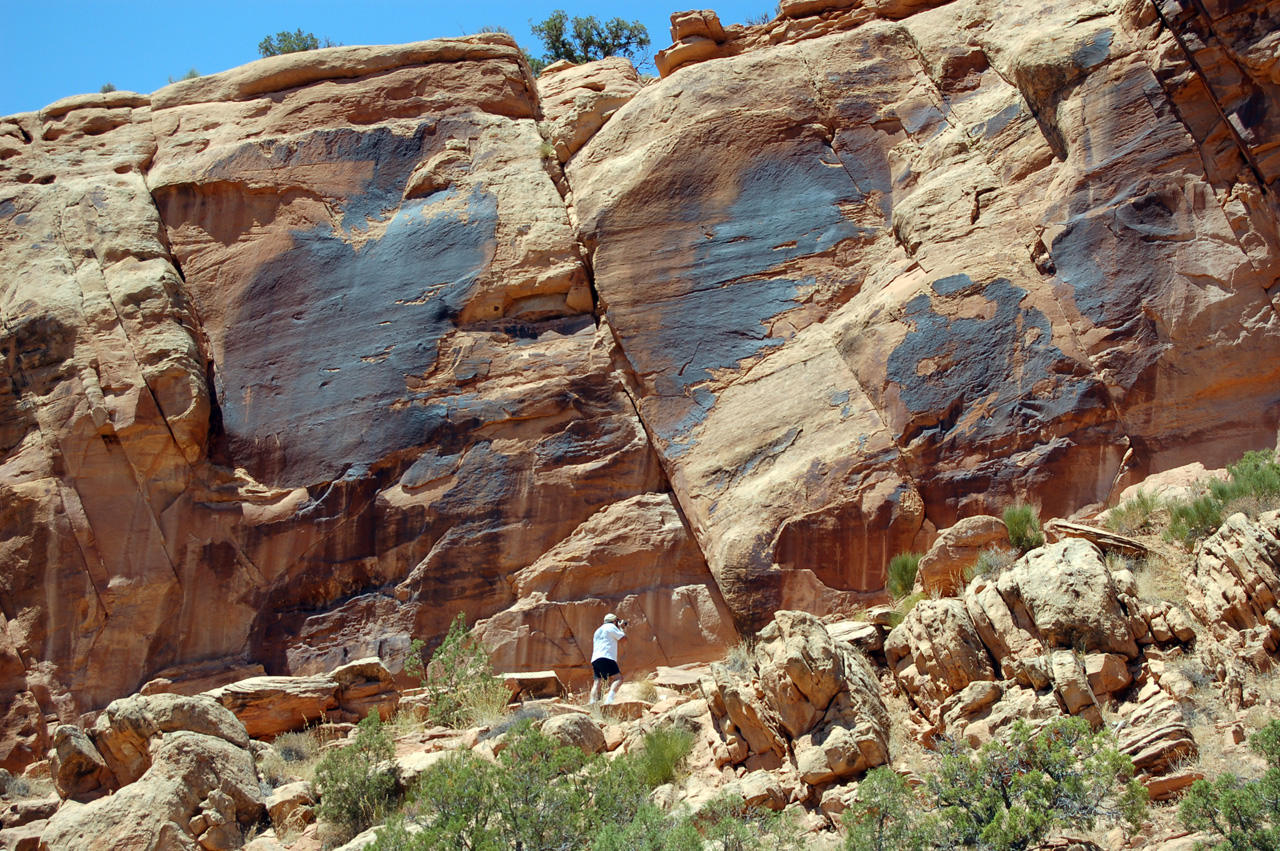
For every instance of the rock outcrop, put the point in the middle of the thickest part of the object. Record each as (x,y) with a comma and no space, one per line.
(305,358)
(812,702)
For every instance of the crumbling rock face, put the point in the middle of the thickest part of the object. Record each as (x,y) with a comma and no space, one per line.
(1234,582)
(1055,622)
(353,340)
(813,703)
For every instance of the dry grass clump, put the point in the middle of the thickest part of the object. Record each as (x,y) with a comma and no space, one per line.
(1156,578)
(741,659)
(991,561)
(16,787)
(647,690)
(292,755)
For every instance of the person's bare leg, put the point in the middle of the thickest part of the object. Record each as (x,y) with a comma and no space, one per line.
(616,683)
(595,690)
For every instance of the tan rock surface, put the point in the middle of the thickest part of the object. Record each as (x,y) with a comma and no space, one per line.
(635,558)
(326,339)
(191,774)
(1234,582)
(858,239)
(268,706)
(579,99)
(942,568)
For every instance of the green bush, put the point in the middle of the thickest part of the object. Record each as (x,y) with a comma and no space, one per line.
(1005,797)
(1135,515)
(292,42)
(901,576)
(358,783)
(191,74)
(650,830)
(459,679)
(663,755)
(883,816)
(542,795)
(1023,523)
(728,824)
(107,88)
(1193,520)
(1252,486)
(538,795)
(1244,815)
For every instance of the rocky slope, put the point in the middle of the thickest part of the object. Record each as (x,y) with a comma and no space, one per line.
(304,358)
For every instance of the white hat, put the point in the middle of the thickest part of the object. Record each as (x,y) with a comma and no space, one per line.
(610,618)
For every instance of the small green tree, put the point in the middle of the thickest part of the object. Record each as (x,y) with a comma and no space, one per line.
(1244,815)
(1023,523)
(587,39)
(292,42)
(1005,797)
(191,74)
(460,680)
(358,783)
(883,816)
(107,88)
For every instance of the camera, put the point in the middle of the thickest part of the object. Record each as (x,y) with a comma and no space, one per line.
(622,623)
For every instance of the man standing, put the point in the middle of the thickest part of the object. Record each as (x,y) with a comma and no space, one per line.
(604,657)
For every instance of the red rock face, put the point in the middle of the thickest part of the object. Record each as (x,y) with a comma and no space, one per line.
(304,358)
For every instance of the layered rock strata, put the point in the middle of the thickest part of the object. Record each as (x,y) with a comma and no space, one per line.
(305,358)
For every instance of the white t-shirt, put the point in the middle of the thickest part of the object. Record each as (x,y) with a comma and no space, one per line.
(605,642)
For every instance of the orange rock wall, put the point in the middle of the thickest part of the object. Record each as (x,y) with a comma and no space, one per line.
(304,358)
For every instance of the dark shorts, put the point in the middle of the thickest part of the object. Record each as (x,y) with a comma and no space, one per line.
(605,668)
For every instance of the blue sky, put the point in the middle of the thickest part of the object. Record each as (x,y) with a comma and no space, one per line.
(50,49)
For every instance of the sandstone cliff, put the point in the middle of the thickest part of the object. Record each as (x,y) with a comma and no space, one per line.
(304,358)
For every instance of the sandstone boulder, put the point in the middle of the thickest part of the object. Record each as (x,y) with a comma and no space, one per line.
(268,706)
(365,686)
(79,771)
(579,99)
(811,697)
(942,568)
(575,730)
(1155,735)
(127,729)
(290,806)
(1058,597)
(936,652)
(193,778)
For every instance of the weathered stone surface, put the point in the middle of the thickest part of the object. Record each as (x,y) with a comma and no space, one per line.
(813,696)
(882,278)
(268,706)
(1234,582)
(144,452)
(191,775)
(942,568)
(578,99)
(79,771)
(936,652)
(317,339)
(127,729)
(1060,596)
(1155,735)
(635,558)
(285,801)
(575,730)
